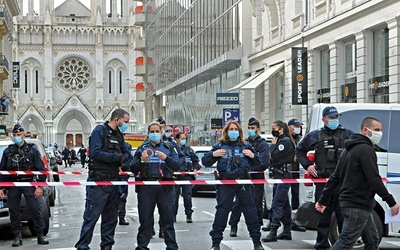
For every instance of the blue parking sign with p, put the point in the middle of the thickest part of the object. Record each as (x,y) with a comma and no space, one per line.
(230,114)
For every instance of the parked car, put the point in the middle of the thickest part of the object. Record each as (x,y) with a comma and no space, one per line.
(200,151)
(45,201)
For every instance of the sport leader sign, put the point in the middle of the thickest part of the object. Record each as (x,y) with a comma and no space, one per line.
(299,76)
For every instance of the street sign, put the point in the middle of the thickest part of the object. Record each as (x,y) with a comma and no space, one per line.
(227,98)
(216,123)
(230,114)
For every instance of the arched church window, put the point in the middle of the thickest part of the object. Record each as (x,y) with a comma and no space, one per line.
(73,74)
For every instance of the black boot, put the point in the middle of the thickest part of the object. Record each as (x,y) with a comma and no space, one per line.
(267,227)
(189,219)
(233,232)
(271,237)
(17,239)
(161,234)
(153,232)
(107,247)
(286,234)
(297,228)
(41,240)
(215,246)
(123,222)
(257,244)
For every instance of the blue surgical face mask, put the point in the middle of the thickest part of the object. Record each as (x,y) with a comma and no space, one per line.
(333,124)
(233,135)
(154,137)
(17,140)
(183,142)
(124,127)
(251,132)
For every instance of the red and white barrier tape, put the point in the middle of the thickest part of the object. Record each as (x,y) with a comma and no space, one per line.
(13,172)
(172,182)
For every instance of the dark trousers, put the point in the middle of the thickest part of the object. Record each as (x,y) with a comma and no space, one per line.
(281,210)
(295,192)
(245,197)
(357,221)
(123,195)
(148,198)
(100,200)
(14,200)
(83,160)
(324,219)
(186,191)
(258,200)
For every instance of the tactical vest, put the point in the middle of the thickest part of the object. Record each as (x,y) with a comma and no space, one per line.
(20,160)
(188,166)
(329,148)
(111,144)
(233,169)
(157,169)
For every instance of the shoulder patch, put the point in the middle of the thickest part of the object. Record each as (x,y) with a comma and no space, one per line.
(281,147)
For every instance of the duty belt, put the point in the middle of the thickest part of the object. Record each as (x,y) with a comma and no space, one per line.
(286,167)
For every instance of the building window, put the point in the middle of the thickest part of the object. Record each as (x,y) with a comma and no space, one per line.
(349,88)
(350,59)
(37,81)
(109,81)
(379,83)
(324,92)
(26,81)
(120,81)
(73,74)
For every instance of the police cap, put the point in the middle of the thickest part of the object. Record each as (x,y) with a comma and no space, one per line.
(18,128)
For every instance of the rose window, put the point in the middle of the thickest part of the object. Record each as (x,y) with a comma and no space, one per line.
(73,74)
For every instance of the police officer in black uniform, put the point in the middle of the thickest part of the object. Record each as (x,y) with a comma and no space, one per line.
(191,165)
(295,130)
(23,156)
(328,143)
(107,153)
(262,149)
(282,157)
(155,160)
(235,159)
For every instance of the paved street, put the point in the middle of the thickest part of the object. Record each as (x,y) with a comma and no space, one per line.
(67,218)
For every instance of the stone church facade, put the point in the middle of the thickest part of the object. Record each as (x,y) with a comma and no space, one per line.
(76,67)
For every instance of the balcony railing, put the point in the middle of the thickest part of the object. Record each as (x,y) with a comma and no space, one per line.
(3,14)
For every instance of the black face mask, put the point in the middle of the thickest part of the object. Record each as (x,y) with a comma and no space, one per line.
(275,133)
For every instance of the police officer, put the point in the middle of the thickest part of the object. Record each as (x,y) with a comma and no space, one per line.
(191,165)
(107,153)
(282,157)
(123,189)
(328,142)
(155,160)
(165,137)
(235,158)
(295,130)
(262,149)
(23,156)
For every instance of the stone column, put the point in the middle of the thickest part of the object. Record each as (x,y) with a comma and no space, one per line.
(394,60)
(362,67)
(334,76)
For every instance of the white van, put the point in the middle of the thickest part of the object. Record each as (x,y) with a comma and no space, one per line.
(388,158)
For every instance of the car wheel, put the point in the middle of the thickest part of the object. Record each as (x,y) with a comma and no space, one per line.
(334,230)
(45,210)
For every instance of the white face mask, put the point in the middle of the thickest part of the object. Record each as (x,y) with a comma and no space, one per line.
(296,131)
(375,137)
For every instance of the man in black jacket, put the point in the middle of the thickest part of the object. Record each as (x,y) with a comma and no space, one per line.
(357,175)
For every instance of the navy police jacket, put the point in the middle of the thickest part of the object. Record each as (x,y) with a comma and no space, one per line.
(234,149)
(155,168)
(282,152)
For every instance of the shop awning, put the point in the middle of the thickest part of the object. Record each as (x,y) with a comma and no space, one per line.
(263,77)
(244,82)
